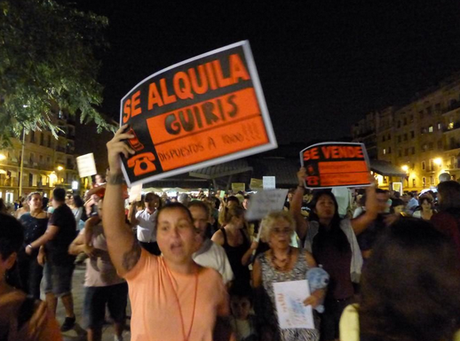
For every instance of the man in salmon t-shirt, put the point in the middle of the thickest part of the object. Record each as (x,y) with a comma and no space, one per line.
(172,298)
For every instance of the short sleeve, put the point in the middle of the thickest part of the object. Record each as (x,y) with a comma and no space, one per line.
(147,264)
(56,218)
(349,324)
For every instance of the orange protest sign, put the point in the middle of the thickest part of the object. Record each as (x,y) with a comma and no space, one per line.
(335,164)
(203,111)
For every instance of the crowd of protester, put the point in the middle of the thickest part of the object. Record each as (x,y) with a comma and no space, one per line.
(193,268)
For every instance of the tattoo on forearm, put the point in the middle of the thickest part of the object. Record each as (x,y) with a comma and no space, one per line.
(131,257)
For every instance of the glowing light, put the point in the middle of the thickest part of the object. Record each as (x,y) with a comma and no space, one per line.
(438,161)
(2,157)
(405,168)
(59,168)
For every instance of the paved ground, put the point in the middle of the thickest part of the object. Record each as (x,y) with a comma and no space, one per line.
(78,333)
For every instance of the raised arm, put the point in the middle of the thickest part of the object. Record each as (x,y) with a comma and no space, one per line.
(361,223)
(132,214)
(295,206)
(123,248)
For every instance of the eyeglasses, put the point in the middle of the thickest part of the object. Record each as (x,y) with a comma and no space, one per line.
(285,230)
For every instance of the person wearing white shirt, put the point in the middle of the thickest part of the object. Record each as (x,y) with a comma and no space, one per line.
(412,204)
(145,222)
(209,254)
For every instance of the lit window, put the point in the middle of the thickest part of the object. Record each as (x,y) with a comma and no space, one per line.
(450,126)
(384,151)
(430,129)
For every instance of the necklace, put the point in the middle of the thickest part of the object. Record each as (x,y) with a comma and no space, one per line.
(186,338)
(35,214)
(285,262)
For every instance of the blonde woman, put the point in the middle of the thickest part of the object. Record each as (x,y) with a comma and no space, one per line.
(282,263)
(235,240)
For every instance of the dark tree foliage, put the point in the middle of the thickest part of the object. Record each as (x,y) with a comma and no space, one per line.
(48,63)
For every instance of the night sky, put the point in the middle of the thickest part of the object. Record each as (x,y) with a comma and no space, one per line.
(322,66)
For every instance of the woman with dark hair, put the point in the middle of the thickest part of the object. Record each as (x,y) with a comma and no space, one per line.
(448,218)
(21,318)
(332,241)
(235,240)
(419,298)
(35,223)
(76,204)
(426,211)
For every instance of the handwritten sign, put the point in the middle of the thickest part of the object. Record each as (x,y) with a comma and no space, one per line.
(264,202)
(269,182)
(256,184)
(135,193)
(204,111)
(292,313)
(238,187)
(335,164)
(86,165)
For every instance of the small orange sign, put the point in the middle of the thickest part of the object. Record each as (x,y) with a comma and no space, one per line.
(335,164)
(204,111)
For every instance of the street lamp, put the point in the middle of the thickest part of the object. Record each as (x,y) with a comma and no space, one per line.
(438,161)
(59,169)
(405,168)
(2,157)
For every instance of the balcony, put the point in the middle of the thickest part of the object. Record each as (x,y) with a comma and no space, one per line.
(453,145)
(449,128)
(61,149)
(455,105)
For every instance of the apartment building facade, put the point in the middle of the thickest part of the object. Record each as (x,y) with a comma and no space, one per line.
(47,162)
(422,137)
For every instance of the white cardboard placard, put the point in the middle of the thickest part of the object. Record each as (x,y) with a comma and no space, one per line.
(86,165)
(292,313)
(264,202)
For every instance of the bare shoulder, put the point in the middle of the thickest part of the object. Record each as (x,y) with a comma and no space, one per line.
(218,237)
(309,258)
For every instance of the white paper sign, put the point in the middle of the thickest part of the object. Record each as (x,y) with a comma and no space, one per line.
(135,193)
(292,313)
(86,165)
(264,202)
(269,182)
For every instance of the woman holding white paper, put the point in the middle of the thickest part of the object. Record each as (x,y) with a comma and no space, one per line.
(282,263)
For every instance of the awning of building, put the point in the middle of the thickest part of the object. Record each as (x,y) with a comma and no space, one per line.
(224,169)
(284,170)
(385,168)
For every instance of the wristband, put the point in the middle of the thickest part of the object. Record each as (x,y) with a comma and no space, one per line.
(116,179)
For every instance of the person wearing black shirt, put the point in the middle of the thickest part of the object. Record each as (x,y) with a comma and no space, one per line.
(59,266)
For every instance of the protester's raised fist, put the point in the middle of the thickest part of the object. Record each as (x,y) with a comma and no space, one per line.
(301,174)
(117,146)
